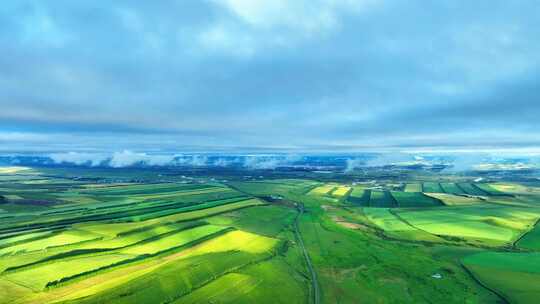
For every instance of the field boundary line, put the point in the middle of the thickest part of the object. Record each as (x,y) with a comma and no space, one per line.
(477,280)
(138,258)
(408,223)
(514,243)
(228,271)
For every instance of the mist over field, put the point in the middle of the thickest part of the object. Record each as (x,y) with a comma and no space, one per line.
(455,162)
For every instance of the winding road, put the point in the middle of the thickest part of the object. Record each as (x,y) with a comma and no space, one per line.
(316,296)
(315,291)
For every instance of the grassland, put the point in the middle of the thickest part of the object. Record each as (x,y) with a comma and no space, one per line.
(531,240)
(381,199)
(383,218)
(322,190)
(485,224)
(432,187)
(413,187)
(455,200)
(341,191)
(452,188)
(471,189)
(414,199)
(93,242)
(354,266)
(359,196)
(105,236)
(514,276)
(487,188)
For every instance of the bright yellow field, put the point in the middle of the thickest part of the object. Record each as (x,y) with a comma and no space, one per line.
(37,278)
(175,240)
(11,170)
(322,190)
(341,191)
(455,200)
(515,188)
(230,287)
(64,238)
(236,240)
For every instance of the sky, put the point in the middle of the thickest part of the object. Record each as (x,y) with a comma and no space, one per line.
(253,75)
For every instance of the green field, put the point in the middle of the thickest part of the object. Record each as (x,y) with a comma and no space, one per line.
(276,239)
(486,224)
(514,275)
(455,200)
(322,190)
(39,277)
(359,196)
(490,190)
(531,240)
(451,188)
(341,191)
(471,189)
(414,187)
(414,199)
(381,199)
(432,187)
(383,218)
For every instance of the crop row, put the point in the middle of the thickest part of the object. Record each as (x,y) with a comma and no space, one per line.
(391,199)
(454,188)
(150,210)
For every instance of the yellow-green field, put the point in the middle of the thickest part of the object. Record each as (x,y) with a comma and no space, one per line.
(98,235)
(341,191)
(322,190)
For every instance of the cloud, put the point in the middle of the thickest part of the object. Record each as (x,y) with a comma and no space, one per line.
(118,159)
(258,24)
(198,160)
(222,162)
(194,160)
(276,76)
(269,162)
(128,158)
(76,158)
(254,162)
(353,163)
(385,159)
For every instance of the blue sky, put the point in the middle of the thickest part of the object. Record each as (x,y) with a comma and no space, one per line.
(250,75)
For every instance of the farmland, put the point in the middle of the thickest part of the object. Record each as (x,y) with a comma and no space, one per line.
(109,239)
(514,275)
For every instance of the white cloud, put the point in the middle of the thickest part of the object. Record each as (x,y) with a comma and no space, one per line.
(278,23)
(286,75)
(40,26)
(270,161)
(221,162)
(128,158)
(389,159)
(218,38)
(261,163)
(309,16)
(191,160)
(77,158)
(353,163)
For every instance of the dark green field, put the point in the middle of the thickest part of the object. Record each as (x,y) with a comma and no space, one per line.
(108,239)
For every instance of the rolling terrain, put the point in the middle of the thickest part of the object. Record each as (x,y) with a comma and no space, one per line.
(101,236)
